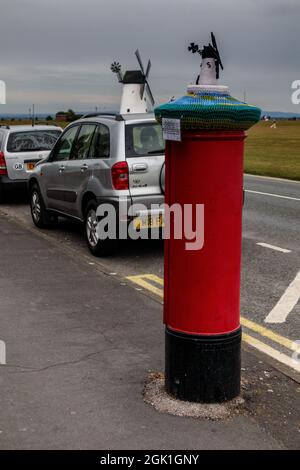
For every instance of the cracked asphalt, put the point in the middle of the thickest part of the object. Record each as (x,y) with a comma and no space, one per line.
(80,345)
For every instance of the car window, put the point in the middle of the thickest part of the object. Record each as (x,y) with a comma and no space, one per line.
(144,139)
(63,147)
(29,141)
(83,142)
(100,147)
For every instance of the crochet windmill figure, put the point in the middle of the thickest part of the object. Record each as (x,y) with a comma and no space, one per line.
(211,62)
(207,104)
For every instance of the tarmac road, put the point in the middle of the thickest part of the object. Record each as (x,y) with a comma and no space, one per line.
(269,274)
(272,217)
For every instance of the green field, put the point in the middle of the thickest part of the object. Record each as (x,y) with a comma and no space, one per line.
(274,152)
(269,152)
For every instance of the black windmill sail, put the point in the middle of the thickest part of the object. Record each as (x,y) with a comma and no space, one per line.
(136,95)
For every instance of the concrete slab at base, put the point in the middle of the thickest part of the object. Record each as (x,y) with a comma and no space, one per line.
(156,395)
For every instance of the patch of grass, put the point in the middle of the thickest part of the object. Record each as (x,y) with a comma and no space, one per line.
(274,152)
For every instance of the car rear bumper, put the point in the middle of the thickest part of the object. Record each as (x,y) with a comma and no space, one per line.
(7,184)
(127,211)
(127,208)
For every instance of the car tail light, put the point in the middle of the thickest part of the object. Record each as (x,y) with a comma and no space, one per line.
(3,169)
(120,175)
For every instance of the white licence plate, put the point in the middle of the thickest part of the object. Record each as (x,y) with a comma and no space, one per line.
(148,221)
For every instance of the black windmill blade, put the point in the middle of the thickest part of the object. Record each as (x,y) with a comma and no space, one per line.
(145,84)
(150,94)
(140,61)
(137,54)
(148,69)
(116,68)
(217,55)
(146,76)
(194,48)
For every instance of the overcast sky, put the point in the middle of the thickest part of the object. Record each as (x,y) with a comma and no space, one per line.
(57,53)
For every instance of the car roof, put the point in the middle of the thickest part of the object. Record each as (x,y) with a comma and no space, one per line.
(139,117)
(28,127)
(128,118)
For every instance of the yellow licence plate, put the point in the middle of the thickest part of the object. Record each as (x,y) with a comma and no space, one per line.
(30,166)
(149,221)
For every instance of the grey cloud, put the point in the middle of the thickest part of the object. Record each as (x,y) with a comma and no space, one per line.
(61,50)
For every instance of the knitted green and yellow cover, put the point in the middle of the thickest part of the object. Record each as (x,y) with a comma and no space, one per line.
(209,109)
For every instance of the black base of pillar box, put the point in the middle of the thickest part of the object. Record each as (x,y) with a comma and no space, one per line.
(203,369)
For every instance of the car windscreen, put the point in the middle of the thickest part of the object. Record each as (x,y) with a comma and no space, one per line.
(144,139)
(30,141)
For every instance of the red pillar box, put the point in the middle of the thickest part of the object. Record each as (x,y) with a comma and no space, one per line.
(202,286)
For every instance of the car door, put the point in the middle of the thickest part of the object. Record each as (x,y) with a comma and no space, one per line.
(145,157)
(78,169)
(53,172)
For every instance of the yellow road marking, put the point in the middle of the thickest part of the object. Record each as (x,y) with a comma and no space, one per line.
(266,349)
(140,281)
(143,281)
(287,343)
(155,278)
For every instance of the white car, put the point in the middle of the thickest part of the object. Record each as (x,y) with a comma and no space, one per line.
(21,147)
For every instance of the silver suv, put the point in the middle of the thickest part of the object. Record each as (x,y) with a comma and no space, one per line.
(21,147)
(101,159)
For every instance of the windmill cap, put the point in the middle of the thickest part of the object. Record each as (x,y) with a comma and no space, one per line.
(209,52)
(133,76)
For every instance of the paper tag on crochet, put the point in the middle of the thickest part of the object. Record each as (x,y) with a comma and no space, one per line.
(171,129)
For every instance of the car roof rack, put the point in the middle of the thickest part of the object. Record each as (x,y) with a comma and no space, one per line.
(115,116)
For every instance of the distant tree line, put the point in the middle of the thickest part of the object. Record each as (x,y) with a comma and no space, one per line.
(68,116)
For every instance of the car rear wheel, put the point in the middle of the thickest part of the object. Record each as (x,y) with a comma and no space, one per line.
(40,216)
(97,246)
